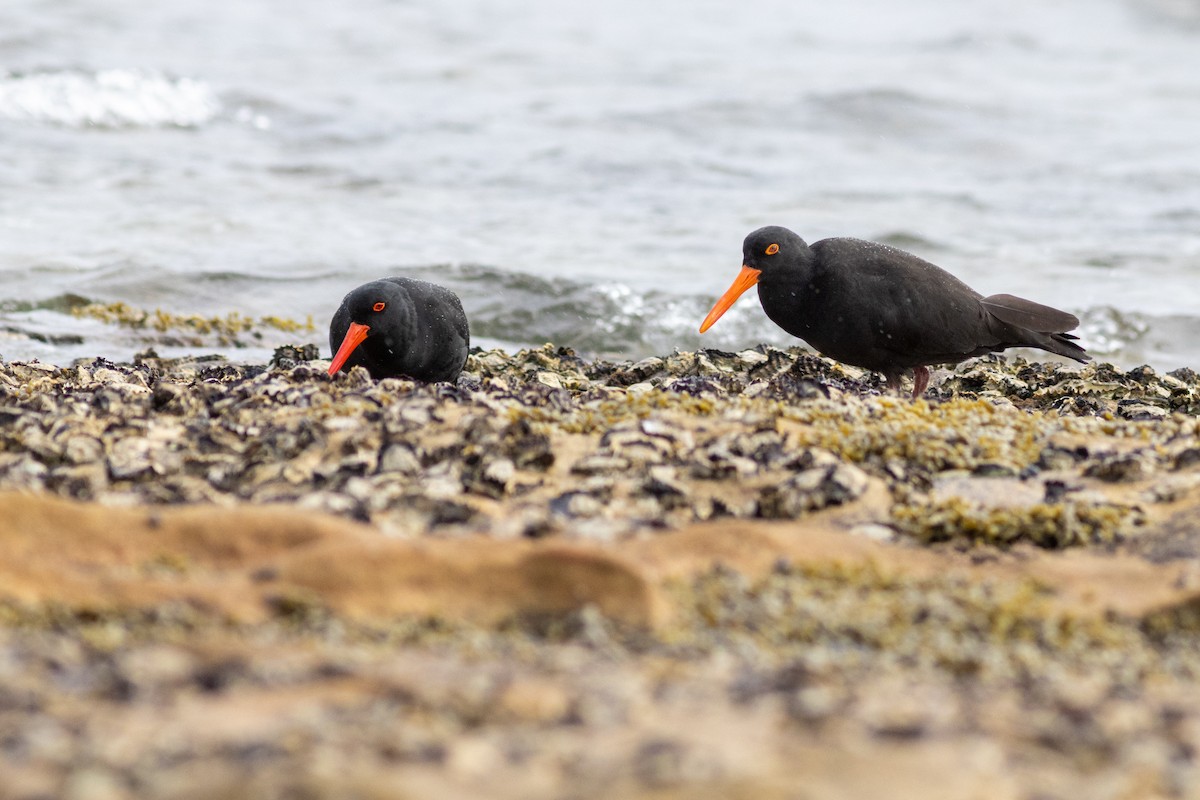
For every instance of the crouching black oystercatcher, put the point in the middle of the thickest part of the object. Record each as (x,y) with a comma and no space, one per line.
(877,307)
(401,327)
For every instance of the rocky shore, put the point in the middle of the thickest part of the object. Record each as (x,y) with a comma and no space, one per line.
(709,574)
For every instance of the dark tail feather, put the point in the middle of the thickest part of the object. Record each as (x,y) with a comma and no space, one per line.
(1043,326)
(1028,314)
(1063,344)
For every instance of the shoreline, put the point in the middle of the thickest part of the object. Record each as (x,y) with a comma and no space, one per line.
(706,572)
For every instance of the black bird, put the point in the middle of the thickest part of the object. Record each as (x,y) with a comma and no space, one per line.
(877,307)
(401,327)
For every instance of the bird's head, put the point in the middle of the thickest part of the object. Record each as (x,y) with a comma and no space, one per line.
(764,252)
(372,306)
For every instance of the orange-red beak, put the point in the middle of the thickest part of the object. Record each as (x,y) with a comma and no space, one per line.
(745,279)
(354,337)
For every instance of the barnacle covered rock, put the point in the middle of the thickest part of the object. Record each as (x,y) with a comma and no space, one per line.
(817,486)
(541,441)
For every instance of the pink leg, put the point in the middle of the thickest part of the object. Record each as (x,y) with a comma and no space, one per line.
(920,381)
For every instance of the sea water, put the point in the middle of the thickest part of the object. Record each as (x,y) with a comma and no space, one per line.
(585,175)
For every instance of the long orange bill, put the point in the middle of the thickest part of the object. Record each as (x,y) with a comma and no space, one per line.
(745,279)
(354,337)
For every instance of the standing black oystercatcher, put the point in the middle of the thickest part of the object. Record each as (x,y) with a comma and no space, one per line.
(877,307)
(401,327)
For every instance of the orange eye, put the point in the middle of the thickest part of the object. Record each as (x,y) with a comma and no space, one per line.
(382,306)
(772,249)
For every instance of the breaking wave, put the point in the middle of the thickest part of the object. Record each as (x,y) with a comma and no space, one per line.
(112,98)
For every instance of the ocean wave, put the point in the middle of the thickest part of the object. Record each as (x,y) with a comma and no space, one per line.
(597,319)
(112,98)
(513,310)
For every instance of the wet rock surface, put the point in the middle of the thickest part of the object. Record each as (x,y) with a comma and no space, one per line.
(860,589)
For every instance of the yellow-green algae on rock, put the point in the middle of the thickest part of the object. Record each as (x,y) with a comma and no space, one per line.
(1044,524)
(224,330)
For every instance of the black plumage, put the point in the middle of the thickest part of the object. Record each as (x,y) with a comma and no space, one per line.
(880,308)
(401,327)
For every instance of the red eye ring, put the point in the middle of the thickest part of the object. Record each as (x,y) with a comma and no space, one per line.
(772,249)
(379,306)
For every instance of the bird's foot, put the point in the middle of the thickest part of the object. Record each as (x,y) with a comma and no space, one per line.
(920,381)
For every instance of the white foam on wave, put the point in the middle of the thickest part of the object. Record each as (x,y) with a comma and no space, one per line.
(112,98)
